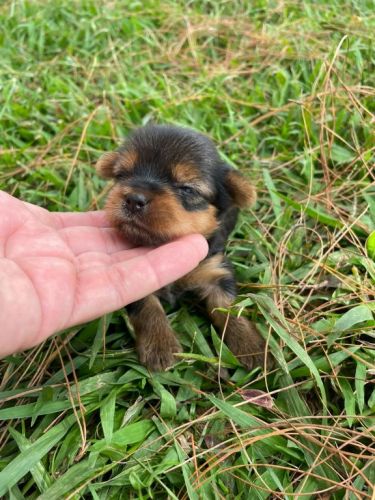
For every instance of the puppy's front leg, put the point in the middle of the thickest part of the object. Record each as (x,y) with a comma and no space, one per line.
(155,340)
(215,283)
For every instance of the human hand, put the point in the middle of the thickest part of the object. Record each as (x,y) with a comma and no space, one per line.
(62,269)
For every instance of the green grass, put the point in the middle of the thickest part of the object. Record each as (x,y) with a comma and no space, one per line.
(286,89)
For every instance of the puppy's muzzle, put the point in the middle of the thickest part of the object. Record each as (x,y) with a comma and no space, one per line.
(135,203)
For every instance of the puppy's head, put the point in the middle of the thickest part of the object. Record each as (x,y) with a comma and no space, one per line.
(169,182)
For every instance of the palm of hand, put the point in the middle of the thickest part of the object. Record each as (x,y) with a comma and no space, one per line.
(58,270)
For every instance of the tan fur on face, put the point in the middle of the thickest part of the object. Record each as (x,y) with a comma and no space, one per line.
(185,173)
(114,202)
(169,218)
(164,220)
(240,189)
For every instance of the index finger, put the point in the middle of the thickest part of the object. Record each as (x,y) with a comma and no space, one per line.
(102,289)
(96,218)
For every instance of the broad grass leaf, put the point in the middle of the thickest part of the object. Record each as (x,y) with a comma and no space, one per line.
(243,419)
(186,465)
(99,338)
(170,459)
(266,444)
(198,357)
(39,472)
(31,456)
(195,334)
(320,215)
(370,246)
(273,316)
(323,363)
(271,479)
(107,415)
(307,488)
(349,399)
(28,410)
(44,397)
(360,485)
(73,477)
(77,362)
(187,472)
(341,155)
(296,406)
(291,399)
(360,380)
(276,205)
(68,448)
(130,434)
(133,374)
(192,384)
(133,411)
(94,384)
(371,400)
(223,351)
(86,386)
(355,316)
(370,200)
(168,406)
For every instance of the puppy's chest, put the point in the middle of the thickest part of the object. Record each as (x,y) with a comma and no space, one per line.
(210,269)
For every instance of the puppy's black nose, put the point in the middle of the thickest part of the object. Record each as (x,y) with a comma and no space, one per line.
(135,202)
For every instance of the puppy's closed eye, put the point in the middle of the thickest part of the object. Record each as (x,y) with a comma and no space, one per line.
(188,190)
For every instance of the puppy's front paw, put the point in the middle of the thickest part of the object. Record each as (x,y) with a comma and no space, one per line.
(156,352)
(246,343)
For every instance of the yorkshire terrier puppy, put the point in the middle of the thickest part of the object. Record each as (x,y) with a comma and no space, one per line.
(168,182)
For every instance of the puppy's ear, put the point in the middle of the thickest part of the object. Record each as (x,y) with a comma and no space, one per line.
(106,165)
(241,191)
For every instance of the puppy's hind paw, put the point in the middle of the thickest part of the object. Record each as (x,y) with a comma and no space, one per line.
(247,344)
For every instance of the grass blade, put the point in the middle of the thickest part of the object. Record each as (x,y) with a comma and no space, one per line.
(30,457)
